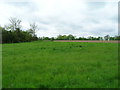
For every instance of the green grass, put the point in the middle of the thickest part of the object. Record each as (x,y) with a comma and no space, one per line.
(0,66)
(60,65)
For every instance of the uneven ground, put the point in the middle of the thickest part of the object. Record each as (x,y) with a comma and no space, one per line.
(60,64)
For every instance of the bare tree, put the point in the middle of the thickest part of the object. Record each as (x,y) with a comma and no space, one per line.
(33,28)
(107,37)
(14,24)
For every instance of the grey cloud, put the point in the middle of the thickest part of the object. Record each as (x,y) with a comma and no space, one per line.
(96,5)
(20,4)
(61,18)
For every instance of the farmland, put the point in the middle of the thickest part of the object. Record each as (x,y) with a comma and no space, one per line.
(50,64)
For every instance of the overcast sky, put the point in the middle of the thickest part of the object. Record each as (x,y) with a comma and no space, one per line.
(54,17)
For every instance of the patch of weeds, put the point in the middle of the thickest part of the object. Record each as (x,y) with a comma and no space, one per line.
(54,49)
(43,86)
(43,48)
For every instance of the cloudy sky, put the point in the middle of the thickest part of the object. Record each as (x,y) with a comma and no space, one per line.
(54,17)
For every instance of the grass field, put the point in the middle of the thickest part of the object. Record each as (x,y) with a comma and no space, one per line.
(60,65)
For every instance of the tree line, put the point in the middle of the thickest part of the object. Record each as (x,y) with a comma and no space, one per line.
(71,37)
(12,33)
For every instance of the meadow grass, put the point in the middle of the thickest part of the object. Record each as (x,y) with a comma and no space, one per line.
(60,65)
(0,66)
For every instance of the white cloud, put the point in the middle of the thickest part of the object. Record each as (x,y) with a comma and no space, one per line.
(54,17)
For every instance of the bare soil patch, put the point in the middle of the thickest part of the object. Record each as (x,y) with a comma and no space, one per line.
(96,41)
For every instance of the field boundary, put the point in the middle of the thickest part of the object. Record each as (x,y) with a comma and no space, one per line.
(96,41)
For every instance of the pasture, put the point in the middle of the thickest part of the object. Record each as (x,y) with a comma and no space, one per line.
(50,64)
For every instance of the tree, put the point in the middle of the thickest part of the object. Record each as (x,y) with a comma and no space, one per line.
(117,37)
(100,38)
(45,38)
(52,38)
(16,36)
(33,29)
(14,24)
(70,37)
(90,38)
(107,37)
(65,37)
(59,37)
(1,34)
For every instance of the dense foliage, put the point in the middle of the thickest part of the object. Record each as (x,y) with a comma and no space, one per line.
(12,33)
(16,36)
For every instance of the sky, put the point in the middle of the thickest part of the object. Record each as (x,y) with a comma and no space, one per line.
(81,18)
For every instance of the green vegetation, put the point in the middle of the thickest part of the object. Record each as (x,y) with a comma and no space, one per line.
(13,33)
(43,64)
(0,66)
